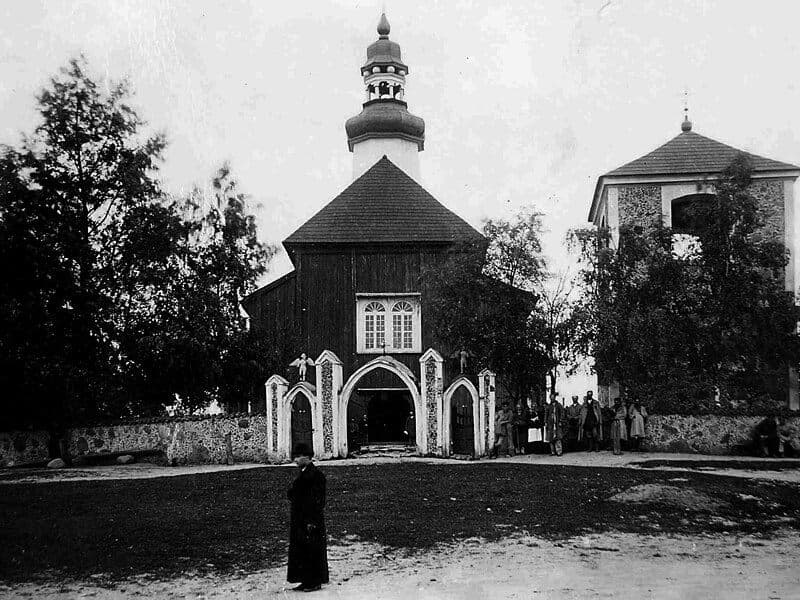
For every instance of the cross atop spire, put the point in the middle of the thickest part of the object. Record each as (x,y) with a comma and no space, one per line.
(687,124)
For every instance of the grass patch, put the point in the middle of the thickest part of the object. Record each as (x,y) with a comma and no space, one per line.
(226,521)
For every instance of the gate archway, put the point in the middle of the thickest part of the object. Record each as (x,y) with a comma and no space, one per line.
(300,417)
(466,397)
(410,385)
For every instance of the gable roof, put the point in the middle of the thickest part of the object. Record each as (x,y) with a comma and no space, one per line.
(384,205)
(692,153)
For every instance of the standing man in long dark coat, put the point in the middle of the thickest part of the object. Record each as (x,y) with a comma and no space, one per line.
(308,546)
(554,428)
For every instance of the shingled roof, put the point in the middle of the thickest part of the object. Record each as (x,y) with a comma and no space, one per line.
(691,153)
(384,205)
(688,153)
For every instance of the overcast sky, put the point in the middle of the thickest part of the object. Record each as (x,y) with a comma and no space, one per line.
(524,102)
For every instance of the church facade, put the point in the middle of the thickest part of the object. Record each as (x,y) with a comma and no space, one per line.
(371,371)
(659,188)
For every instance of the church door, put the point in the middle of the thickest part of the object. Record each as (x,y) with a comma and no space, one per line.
(301,421)
(461,422)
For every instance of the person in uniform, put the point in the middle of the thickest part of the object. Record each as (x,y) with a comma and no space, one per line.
(573,418)
(590,425)
(554,427)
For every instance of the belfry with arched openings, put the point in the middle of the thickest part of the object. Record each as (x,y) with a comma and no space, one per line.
(662,186)
(370,372)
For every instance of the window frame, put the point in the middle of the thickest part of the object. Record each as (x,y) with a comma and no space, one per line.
(410,339)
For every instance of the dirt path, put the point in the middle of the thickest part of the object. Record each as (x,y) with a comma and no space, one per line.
(596,566)
(579,459)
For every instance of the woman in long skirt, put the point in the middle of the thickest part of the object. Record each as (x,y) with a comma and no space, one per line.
(618,429)
(638,414)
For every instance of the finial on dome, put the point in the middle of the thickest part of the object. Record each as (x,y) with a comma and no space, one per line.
(383,26)
(687,124)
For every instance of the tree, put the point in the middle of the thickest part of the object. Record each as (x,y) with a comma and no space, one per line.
(118,298)
(479,300)
(556,324)
(693,331)
(514,255)
(86,167)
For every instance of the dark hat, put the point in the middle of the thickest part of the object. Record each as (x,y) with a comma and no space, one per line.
(302,449)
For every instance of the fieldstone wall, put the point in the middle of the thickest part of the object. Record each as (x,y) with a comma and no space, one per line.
(639,205)
(18,447)
(769,196)
(204,440)
(189,441)
(707,434)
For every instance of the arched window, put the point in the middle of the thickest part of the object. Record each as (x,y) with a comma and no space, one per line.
(388,323)
(374,325)
(689,218)
(402,325)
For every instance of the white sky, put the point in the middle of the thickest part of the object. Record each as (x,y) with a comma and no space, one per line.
(524,102)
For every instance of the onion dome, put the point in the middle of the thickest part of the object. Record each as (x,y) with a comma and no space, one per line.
(385,118)
(384,52)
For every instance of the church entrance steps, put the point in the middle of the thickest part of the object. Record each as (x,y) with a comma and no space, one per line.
(462,457)
(396,450)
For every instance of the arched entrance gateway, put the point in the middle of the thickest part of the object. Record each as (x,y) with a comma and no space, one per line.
(300,417)
(462,418)
(380,404)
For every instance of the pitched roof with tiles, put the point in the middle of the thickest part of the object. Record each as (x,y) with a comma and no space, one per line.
(384,205)
(688,153)
(692,153)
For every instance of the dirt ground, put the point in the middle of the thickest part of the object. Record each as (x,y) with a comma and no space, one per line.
(608,565)
(596,566)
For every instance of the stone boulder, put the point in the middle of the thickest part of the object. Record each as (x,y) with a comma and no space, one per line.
(56,463)
(125,459)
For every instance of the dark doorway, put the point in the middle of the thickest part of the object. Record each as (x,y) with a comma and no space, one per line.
(380,417)
(387,413)
(301,421)
(357,422)
(461,422)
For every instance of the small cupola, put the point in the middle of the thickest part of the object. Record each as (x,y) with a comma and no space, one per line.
(384,126)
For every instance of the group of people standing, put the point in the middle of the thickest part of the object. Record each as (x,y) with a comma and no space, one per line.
(525,428)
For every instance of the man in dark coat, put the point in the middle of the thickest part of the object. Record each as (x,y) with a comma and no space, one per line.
(554,429)
(308,549)
(590,425)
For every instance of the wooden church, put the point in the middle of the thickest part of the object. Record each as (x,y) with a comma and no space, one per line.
(369,370)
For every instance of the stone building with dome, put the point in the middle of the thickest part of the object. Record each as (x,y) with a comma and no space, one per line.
(659,188)
(373,372)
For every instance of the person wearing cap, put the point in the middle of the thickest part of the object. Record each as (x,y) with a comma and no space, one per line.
(590,425)
(502,426)
(554,427)
(308,549)
(573,413)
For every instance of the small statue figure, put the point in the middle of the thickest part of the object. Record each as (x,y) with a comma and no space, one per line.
(302,364)
(462,356)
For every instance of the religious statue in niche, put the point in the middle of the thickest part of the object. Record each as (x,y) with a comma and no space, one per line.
(302,364)
(462,356)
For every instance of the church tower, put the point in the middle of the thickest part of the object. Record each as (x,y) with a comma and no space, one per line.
(384,126)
